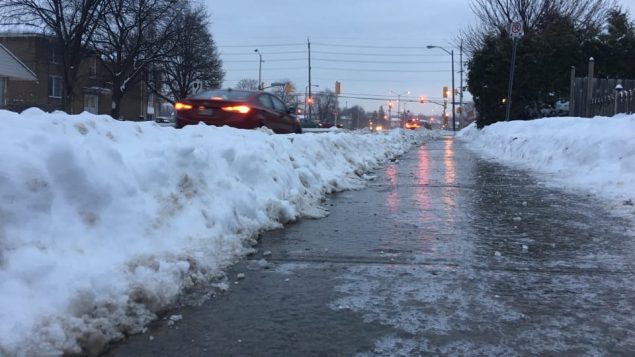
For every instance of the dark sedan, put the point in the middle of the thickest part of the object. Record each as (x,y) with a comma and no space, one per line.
(238,109)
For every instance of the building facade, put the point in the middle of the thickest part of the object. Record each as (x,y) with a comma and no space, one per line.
(93,87)
(12,69)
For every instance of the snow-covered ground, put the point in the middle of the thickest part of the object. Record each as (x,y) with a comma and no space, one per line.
(103,223)
(592,155)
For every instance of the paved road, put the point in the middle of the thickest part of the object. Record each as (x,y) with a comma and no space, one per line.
(443,253)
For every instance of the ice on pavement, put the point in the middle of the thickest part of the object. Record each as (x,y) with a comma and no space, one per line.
(103,223)
(596,155)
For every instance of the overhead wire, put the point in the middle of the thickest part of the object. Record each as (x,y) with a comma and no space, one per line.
(338,60)
(392,56)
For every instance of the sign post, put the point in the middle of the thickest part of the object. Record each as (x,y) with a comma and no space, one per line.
(515,32)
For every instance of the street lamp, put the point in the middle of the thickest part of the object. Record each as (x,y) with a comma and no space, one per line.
(259,68)
(399,100)
(451,53)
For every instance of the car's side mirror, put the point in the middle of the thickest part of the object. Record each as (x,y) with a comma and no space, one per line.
(292,109)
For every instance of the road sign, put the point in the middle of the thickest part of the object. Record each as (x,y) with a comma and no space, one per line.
(516,30)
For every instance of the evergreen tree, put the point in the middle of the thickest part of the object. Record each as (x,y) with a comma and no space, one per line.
(554,43)
(616,51)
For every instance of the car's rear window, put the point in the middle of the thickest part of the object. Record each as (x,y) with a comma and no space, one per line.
(222,95)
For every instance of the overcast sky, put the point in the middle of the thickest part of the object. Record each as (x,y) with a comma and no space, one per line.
(373,47)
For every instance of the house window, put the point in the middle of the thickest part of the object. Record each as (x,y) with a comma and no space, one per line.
(53,55)
(55,86)
(3,91)
(91,103)
(92,67)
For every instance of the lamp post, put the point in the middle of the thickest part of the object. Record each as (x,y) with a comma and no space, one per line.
(451,53)
(399,101)
(306,99)
(259,69)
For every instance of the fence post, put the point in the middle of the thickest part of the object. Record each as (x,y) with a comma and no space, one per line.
(589,96)
(618,92)
(572,93)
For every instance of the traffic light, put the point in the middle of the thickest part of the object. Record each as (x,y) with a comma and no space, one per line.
(337,87)
(445,92)
(309,101)
(390,104)
(422,99)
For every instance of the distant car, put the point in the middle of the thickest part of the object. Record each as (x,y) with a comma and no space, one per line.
(412,124)
(306,123)
(164,121)
(377,127)
(325,124)
(238,109)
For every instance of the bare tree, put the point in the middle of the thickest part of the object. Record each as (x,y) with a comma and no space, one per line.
(194,62)
(326,105)
(132,35)
(496,15)
(281,92)
(247,84)
(71,22)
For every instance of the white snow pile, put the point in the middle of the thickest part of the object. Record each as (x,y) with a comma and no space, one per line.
(103,223)
(596,155)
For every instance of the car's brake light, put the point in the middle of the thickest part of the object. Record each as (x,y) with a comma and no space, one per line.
(242,109)
(182,106)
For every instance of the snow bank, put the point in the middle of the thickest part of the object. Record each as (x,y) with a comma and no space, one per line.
(103,223)
(596,155)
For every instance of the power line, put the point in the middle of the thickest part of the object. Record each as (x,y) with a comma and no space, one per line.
(265,53)
(365,80)
(379,54)
(267,68)
(266,45)
(379,70)
(267,61)
(370,61)
(369,46)
(339,60)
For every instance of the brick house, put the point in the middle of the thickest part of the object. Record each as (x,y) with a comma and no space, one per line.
(12,69)
(93,88)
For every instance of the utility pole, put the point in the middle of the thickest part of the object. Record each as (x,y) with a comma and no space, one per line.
(461,83)
(453,94)
(308,42)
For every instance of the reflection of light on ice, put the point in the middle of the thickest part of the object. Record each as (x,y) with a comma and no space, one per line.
(449,193)
(423,199)
(448,162)
(393,199)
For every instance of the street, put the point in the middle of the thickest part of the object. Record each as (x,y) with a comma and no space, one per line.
(443,253)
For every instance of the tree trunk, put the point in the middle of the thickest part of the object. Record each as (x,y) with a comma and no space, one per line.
(117,95)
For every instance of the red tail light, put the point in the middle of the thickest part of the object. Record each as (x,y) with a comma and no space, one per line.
(242,109)
(182,106)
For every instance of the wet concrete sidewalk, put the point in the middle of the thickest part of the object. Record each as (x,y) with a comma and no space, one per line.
(444,254)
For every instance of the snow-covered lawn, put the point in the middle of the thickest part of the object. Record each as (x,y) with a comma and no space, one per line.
(103,223)
(593,155)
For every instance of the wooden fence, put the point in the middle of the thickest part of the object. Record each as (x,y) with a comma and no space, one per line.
(600,96)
